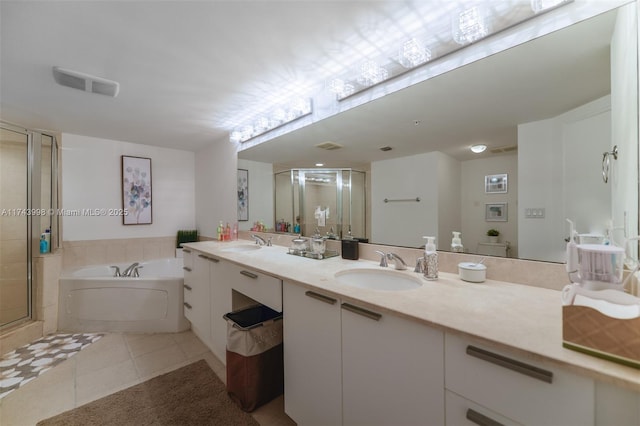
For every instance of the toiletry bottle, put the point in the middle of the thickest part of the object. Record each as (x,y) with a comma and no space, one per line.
(430,259)
(456,243)
(227,232)
(47,237)
(44,247)
(235,231)
(219,231)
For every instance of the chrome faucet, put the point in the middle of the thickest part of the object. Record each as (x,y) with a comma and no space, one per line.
(398,261)
(131,269)
(383,258)
(117,271)
(261,241)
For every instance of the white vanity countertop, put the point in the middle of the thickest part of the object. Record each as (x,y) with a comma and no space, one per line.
(523,319)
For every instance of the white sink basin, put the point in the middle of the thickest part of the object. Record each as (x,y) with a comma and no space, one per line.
(378,279)
(241,248)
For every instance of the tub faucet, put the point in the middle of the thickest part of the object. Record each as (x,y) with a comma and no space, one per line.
(398,261)
(131,269)
(117,271)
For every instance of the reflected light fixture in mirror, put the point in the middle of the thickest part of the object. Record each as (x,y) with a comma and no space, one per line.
(477,149)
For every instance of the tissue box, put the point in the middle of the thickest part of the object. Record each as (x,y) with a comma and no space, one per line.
(587,330)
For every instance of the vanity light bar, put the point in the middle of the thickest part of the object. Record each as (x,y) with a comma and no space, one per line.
(278,117)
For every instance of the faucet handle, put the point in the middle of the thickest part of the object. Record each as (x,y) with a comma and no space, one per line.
(383,259)
(269,242)
(136,272)
(117,271)
(419,265)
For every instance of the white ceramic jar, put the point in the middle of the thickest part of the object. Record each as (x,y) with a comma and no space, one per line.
(472,272)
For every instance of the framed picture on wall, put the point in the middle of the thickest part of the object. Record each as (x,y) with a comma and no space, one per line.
(495,183)
(136,191)
(243,195)
(495,212)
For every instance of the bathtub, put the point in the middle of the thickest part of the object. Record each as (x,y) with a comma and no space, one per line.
(92,300)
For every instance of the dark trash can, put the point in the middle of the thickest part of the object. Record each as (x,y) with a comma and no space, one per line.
(255,366)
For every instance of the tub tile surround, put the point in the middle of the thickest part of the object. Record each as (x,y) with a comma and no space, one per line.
(523,319)
(100,252)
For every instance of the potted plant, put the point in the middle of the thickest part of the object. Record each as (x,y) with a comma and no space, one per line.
(185,236)
(493,235)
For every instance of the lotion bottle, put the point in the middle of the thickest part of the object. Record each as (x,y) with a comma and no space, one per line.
(456,243)
(430,259)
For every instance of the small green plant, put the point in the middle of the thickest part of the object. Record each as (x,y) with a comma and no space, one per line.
(186,236)
(493,232)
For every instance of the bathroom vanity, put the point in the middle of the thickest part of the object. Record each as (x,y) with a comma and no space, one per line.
(448,352)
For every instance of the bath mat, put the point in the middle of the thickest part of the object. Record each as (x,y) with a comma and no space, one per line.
(24,364)
(191,395)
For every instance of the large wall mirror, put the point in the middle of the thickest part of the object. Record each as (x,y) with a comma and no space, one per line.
(547,110)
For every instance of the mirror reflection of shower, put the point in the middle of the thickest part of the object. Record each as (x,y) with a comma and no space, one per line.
(330,202)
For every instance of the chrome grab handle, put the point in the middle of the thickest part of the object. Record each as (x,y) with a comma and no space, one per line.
(361,311)
(186,268)
(321,297)
(188,306)
(249,274)
(480,419)
(188,287)
(511,364)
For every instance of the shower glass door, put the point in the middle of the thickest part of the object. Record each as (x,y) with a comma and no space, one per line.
(15,264)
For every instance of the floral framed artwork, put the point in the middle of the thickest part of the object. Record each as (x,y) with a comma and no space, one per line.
(136,190)
(496,212)
(243,195)
(495,183)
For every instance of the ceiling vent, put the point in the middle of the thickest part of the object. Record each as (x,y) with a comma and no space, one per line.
(85,82)
(504,149)
(329,146)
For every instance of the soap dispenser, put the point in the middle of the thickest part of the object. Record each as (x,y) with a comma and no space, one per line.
(456,243)
(430,259)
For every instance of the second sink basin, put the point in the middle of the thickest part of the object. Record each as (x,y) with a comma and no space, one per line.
(241,248)
(378,279)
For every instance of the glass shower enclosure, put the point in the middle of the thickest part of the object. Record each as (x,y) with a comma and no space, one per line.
(329,201)
(28,199)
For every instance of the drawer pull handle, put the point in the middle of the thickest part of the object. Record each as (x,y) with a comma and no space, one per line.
(210,259)
(188,287)
(511,364)
(321,297)
(360,311)
(249,274)
(186,268)
(480,419)
(186,251)
(188,306)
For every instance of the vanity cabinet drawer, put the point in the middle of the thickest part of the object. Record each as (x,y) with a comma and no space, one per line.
(462,412)
(262,288)
(525,391)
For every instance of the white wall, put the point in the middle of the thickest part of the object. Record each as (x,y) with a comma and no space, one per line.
(91,179)
(560,170)
(474,200)
(404,223)
(216,187)
(449,200)
(261,190)
(624,120)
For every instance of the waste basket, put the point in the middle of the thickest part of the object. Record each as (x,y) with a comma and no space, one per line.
(255,366)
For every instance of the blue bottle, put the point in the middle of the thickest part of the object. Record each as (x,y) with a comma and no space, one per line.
(44,246)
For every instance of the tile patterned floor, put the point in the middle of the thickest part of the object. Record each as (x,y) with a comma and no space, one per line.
(24,364)
(115,362)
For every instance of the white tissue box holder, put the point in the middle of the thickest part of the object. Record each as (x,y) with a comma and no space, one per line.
(587,330)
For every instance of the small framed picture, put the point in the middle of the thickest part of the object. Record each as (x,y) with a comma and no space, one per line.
(496,212)
(495,183)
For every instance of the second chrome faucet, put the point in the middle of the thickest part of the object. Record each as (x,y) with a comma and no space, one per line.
(398,262)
